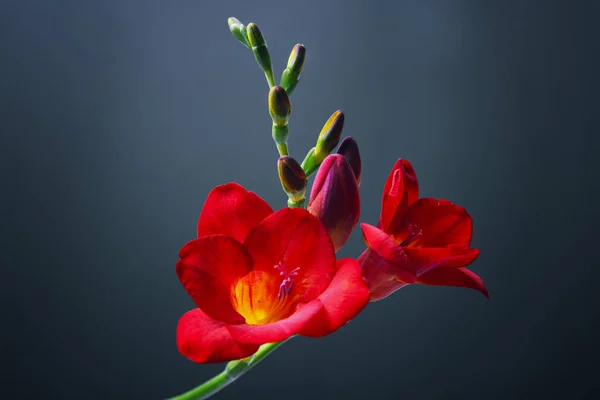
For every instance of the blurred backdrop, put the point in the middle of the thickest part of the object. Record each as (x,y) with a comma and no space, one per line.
(118,117)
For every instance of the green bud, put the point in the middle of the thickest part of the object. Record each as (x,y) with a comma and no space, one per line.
(279,106)
(293,178)
(255,37)
(310,164)
(289,77)
(261,52)
(239,31)
(296,59)
(329,136)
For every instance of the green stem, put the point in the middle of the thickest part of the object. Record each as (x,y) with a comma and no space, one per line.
(207,389)
(232,371)
(270,78)
(296,204)
(282,148)
(310,163)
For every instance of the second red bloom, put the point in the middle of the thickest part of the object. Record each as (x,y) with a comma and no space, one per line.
(423,241)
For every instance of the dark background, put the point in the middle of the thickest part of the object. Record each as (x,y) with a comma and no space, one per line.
(117,118)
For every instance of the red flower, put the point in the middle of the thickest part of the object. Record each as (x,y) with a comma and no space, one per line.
(259,276)
(334,198)
(417,240)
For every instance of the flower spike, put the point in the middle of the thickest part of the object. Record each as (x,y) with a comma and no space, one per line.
(258,277)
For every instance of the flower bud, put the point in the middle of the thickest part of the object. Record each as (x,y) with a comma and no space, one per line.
(279,106)
(289,77)
(280,109)
(349,149)
(334,198)
(292,177)
(329,136)
(255,37)
(261,52)
(239,31)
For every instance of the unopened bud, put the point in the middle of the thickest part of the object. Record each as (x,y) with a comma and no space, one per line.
(261,52)
(279,106)
(334,198)
(292,177)
(280,109)
(255,37)
(329,136)
(349,149)
(239,31)
(290,76)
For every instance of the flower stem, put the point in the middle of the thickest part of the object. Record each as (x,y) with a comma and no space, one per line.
(207,389)
(232,371)
(270,78)
(282,148)
(296,204)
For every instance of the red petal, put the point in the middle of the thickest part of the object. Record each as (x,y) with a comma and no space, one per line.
(407,263)
(460,277)
(423,259)
(400,191)
(345,297)
(295,238)
(387,248)
(204,340)
(232,210)
(208,268)
(440,222)
(276,331)
(379,275)
(335,199)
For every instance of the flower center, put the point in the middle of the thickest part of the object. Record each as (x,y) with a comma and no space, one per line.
(414,233)
(287,284)
(262,297)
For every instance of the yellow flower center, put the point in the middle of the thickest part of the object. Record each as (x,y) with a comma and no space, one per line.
(262,297)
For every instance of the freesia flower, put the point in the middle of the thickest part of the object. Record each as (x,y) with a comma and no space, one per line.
(424,241)
(334,198)
(258,276)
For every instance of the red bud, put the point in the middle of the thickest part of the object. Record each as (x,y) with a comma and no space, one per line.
(334,198)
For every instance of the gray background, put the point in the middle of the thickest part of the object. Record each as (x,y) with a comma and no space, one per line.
(118,117)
